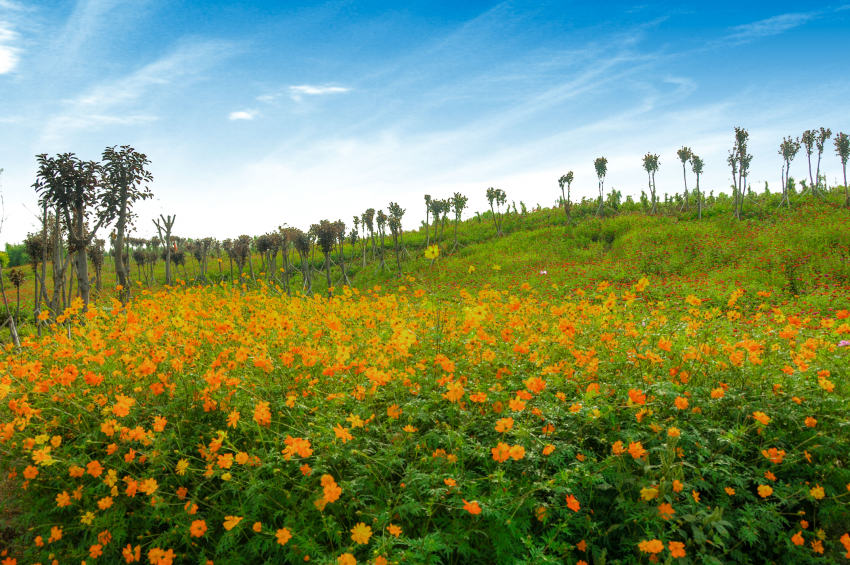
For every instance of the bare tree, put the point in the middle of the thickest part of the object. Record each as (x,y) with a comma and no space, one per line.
(820,142)
(497,196)
(458,205)
(164,230)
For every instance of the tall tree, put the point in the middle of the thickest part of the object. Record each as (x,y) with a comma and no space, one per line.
(808,140)
(842,149)
(739,161)
(73,190)
(164,230)
(788,149)
(124,174)
(498,197)
(601,166)
(566,180)
(458,205)
(427,227)
(650,165)
(696,167)
(820,141)
(685,154)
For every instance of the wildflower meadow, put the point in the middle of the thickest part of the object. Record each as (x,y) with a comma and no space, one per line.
(543,397)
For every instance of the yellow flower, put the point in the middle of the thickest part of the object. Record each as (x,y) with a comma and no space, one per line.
(361,533)
(432,252)
(648,493)
(182,465)
(87,519)
(817,492)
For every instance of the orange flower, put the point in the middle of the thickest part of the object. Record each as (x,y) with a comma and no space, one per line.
(262,414)
(798,539)
(283,535)
(763,418)
(517,405)
(342,433)
(817,492)
(104,502)
(665,344)
(811,422)
(517,452)
(652,546)
(681,402)
(394,530)
(198,528)
(637,396)
(504,425)
(677,549)
(674,432)
(306,470)
(618,448)
(471,507)
(346,559)
(450,482)
(573,503)
(695,494)
(233,419)
(718,393)
(63,499)
(30,472)
(666,510)
(765,491)
(636,450)
(730,491)
(501,452)
(231,522)
(394,412)
(95,469)
(96,551)
(548,449)
(775,455)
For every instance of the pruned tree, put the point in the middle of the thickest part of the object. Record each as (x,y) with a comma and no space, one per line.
(459,202)
(566,180)
(650,165)
(326,235)
(601,166)
(397,211)
(301,242)
(498,197)
(696,167)
(427,227)
(739,161)
(369,222)
(788,149)
(395,230)
(842,149)
(339,225)
(164,230)
(820,142)
(382,225)
(124,178)
(685,155)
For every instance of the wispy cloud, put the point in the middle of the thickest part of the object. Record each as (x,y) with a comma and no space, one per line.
(242,115)
(8,54)
(9,5)
(297,91)
(770,26)
(100,104)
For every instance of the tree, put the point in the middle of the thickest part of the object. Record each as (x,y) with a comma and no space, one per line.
(73,187)
(650,165)
(842,149)
(326,238)
(382,223)
(567,180)
(788,149)
(685,155)
(739,161)
(820,142)
(458,205)
(124,173)
(164,231)
(497,196)
(696,167)
(395,230)
(397,211)
(427,227)
(601,166)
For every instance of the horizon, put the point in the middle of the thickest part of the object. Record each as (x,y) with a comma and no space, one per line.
(318,111)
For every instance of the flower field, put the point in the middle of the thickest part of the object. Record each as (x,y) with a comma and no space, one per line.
(448,417)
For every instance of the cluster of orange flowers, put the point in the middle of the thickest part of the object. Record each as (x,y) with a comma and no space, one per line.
(124,365)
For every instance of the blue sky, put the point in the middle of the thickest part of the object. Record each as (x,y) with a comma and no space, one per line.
(256,114)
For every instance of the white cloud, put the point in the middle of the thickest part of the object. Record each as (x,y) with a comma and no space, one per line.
(8,54)
(297,91)
(770,26)
(96,106)
(9,5)
(242,115)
